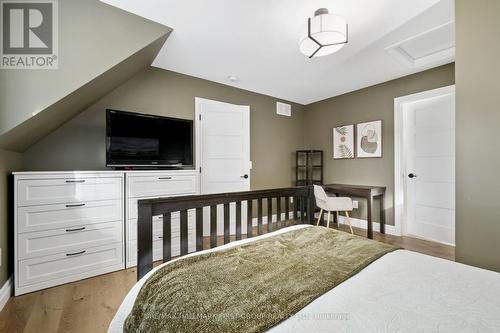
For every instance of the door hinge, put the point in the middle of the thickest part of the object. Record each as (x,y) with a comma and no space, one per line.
(200,169)
(199,116)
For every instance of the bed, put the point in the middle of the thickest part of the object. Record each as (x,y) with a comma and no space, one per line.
(401,291)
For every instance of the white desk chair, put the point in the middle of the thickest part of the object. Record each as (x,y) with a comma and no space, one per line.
(332,204)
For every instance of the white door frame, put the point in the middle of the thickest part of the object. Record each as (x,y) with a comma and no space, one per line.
(197,131)
(399,152)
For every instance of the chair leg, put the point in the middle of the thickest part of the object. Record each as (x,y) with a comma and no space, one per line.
(349,221)
(319,218)
(338,220)
(328,220)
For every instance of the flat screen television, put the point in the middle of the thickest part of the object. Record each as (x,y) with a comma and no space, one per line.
(140,140)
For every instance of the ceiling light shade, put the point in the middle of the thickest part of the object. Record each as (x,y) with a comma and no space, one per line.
(324,34)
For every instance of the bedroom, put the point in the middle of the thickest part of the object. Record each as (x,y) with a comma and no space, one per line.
(182,60)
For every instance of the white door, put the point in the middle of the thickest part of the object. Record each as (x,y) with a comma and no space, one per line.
(429,135)
(223,138)
(224,141)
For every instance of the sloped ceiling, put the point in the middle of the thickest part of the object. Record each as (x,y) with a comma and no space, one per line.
(100,47)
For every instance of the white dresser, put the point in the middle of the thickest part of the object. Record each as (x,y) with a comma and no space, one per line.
(149,184)
(68,226)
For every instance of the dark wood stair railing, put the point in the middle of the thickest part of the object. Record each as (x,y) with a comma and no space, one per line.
(303,209)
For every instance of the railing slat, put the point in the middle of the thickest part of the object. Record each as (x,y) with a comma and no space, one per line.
(144,240)
(184,232)
(238,220)
(287,209)
(278,212)
(259,216)
(249,218)
(302,209)
(199,229)
(295,208)
(213,226)
(167,237)
(226,223)
(310,206)
(269,214)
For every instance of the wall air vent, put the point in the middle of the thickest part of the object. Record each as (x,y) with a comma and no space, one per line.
(283,109)
(432,47)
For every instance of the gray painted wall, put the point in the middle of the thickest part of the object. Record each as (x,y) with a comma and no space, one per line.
(93,37)
(477,133)
(79,144)
(372,103)
(9,161)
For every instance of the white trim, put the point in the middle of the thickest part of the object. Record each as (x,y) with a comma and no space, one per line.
(362,224)
(197,129)
(6,292)
(274,218)
(399,152)
(430,240)
(355,222)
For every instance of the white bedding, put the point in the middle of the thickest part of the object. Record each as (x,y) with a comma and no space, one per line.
(401,292)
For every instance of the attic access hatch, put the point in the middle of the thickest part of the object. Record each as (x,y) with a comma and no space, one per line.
(431,47)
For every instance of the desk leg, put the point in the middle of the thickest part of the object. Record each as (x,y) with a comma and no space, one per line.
(382,214)
(369,217)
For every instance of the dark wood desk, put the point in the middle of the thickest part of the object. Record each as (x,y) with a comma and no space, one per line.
(363,191)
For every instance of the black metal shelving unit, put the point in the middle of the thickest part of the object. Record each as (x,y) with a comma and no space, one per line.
(308,167)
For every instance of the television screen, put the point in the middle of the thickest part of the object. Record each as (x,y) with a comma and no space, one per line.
(134,139)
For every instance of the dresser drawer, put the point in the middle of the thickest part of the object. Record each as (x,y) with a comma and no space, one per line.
(31,192)
(60,266)
(42,243)
(38,218)
(160,185)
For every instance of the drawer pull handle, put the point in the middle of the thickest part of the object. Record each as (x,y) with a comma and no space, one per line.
(75,253)
(76,229)
(76,181)
(164,178)
(75,205)
(160,237)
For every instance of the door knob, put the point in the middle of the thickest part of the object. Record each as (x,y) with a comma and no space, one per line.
(244,176)
(412,175)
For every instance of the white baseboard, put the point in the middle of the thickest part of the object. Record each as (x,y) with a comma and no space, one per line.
(355,222)
(362,224)
(6,292)
(273,217)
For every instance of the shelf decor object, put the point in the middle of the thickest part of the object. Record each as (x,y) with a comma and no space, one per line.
(308,167)
(343,142)
(369,139)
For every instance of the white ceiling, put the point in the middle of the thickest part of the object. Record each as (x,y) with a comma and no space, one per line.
(257,41)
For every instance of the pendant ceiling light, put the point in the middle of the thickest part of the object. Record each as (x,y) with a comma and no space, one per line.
(325,34)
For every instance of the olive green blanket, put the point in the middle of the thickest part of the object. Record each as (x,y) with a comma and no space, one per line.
(252,287)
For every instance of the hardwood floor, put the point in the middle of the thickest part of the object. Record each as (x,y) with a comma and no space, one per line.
(90,304)
(409,243)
